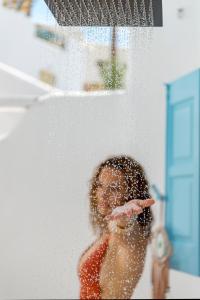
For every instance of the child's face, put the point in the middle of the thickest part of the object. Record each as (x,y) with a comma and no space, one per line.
(111,190)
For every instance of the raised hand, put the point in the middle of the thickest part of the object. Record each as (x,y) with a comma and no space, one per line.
(133,207)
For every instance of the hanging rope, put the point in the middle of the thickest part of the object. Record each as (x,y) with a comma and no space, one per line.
(162,250)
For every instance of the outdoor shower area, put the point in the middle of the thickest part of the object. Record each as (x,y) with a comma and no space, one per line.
(51,139)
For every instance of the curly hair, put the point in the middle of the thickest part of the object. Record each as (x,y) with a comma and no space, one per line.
(138,188)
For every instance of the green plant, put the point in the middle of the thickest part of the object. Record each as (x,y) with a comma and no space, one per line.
(112,73)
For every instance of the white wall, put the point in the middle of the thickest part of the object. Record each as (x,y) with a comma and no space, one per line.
(18,91)
(159,56)
(15,83)
(45,167)
(21,49)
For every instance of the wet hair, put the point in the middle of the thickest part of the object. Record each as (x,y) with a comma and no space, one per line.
(138,188)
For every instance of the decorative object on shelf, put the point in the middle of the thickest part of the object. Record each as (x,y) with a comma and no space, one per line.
(93,86)
(47,77)
(20,5)
(48,34)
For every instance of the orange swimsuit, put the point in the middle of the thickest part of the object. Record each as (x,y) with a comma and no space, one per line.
(89,273)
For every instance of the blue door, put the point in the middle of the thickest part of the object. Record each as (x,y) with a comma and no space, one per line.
(182,172)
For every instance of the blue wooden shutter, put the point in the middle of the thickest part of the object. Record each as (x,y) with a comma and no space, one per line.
(182,172)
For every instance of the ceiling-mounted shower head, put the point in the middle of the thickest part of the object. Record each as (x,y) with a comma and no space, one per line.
(142,13)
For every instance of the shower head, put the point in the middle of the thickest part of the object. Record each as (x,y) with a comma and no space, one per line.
(142,13)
